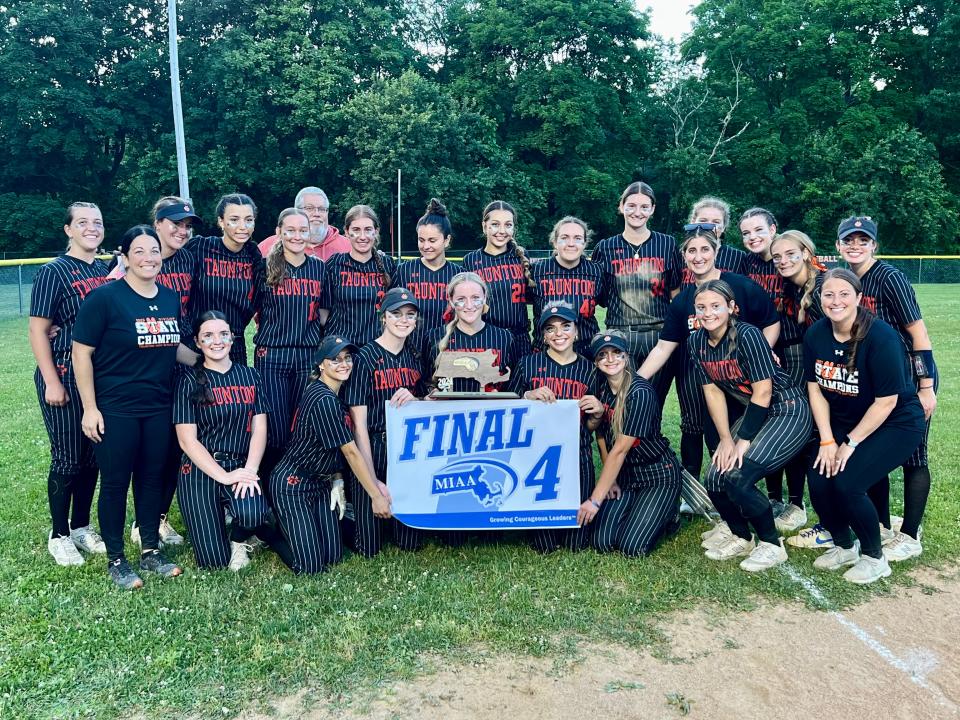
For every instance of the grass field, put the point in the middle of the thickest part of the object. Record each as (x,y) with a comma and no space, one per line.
(215,643)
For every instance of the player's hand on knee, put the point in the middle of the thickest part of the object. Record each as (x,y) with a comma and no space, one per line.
(92,425)
(741,449)
(840,462)
(823,463)
(338,498)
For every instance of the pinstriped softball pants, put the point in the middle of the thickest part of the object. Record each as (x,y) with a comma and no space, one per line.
(302,507)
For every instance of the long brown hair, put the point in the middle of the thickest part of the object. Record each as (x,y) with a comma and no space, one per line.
(864,319)
(277,267)
(365,211)
(723,289)
(518,250)
(813,265)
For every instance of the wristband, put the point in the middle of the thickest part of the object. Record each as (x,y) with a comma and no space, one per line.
(752,421)
(921,361)
(828,443)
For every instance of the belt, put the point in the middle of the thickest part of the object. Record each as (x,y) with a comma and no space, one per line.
(639,328)
(228,457)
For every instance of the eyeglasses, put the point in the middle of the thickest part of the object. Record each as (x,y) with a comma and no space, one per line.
(856,242)
(342,360)
(610,355)
(233,224)
(301,233)
(642,209)
(571,240)
(496,227)
(84,224)
(310,209)
(474,302)
(225,337)
(565,328)
(700,227)
(409,316)
(366,232)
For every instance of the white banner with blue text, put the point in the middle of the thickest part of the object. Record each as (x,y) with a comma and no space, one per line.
(484,464)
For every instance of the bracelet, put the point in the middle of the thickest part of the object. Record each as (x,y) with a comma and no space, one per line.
(827,443)
(595,503)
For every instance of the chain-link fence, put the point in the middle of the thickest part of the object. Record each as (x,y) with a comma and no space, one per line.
(16,276)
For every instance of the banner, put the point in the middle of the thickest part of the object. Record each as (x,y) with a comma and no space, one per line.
(484,464)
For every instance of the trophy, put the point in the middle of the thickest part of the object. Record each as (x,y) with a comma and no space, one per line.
(479,366)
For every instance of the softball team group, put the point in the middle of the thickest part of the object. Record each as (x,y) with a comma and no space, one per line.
(782,369)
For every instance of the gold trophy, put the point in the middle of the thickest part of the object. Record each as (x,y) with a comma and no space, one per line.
(479,366)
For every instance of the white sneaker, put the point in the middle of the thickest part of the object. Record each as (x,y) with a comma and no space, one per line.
(720,526)
(887,535)
(86,538)
(135,535)
(816,537)
(867,570)
(719,538)
(63,550)
(764,556)
(239,555)
(896,523)
(838,557)
(792,518)
(169,536)
(902,547)
(735,546)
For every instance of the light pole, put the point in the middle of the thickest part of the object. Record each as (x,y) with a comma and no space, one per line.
(177,106)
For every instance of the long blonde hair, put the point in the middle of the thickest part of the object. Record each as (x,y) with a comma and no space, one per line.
(277,267)
(814,268)
(456,280)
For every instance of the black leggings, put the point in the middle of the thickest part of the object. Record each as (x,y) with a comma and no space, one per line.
(132,446)
(842,502)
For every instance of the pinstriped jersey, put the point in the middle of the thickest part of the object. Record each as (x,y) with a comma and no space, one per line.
(791,329)
(888,293)
(764,273)
(641,420)
(568,382)
(508,288)
(290,311)
(226,424)
(581,286)
(321,426)
(429,287)
(177,274)
(352,291)
(729,259)
(735,373)
(638,279)
(226,281)
(490,337)
(59,288)
(377,375)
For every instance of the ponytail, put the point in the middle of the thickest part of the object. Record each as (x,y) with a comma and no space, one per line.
(203,394)
(524,262)
(620,399)
(861,326)
(381,266)
(731,337)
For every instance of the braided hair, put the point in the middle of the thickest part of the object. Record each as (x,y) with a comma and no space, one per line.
(517,249)
(203,394)
(864,319)
(723,289)
(365,211)
(813,267)
(277,267)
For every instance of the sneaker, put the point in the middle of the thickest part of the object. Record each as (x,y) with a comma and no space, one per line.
(123,575)
(816,537)
(777,506)
(720,537)
(867,570)
(791,519)
(734,547)
(63,550)
(896,523)
(765,556)
(155,562)
(135,535)
(722,525)
(86,538)
(887,535)
(239,555)
(902,547)
(838,557)
(169,536)
(255,543)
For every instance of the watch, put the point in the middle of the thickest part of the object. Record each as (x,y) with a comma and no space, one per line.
(852,443)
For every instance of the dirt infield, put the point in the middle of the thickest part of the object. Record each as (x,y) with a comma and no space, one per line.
(894,657)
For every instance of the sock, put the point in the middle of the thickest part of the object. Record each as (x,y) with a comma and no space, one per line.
(916,489)
(58,494)
(691,453)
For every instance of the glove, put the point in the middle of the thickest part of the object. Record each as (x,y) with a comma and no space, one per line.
(338,498)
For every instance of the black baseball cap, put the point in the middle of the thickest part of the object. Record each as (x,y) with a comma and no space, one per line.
(554,312)
(398,297)
(603,340)
(331,347)
(177,212)
(860,224)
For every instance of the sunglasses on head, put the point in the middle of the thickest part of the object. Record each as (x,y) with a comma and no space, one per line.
(700,227)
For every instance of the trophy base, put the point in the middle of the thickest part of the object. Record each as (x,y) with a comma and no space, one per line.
(451,395)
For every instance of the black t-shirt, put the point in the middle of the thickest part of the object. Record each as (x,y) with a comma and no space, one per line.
(135,340)
(429,287)
(641,420)
(226,281)
(490,337)
(352,291)
(753,302)
(581,286)
(177,274)
(880,372)
(764,273)
(226,425)
(638,279)
(321,426)
(791,329)
(568,382)
(59,288)
(729,259)
(508,288)
(751,362)
(888,293)
(377,375)
(290,311)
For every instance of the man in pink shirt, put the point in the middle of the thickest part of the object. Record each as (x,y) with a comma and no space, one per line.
(325,240)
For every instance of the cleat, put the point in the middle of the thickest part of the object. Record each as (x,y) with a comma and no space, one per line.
(816,537)
(764,556)
(63,550)
(867,570)
(87,539)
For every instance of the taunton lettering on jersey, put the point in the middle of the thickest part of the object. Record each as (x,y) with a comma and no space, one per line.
(394,378)
(234,395)
(84,286)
